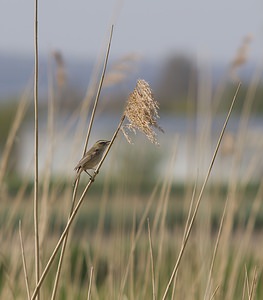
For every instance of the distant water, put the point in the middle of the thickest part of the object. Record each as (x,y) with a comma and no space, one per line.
(193,141)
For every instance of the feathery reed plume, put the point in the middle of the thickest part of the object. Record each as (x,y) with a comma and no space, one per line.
(228,144)
(61,75)
(120,69)
(142,112)
(241,56)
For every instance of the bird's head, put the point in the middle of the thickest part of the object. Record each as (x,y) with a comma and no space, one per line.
(101,144)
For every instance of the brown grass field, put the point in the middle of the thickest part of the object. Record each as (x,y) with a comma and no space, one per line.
(123,235)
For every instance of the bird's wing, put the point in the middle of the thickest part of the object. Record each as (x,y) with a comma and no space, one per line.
(88,156)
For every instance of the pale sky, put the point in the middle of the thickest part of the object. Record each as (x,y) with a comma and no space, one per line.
(149,28)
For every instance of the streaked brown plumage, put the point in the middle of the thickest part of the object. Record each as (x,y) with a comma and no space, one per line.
(91,159)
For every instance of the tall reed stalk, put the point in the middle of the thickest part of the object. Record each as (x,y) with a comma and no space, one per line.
(36,219)
(84,151)
(191,223)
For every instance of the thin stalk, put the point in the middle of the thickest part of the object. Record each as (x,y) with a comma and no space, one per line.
(98,92)
(90,283)
(62,253)
(164,208)
(73,215)
(253,285)
(131,277)
(184,243)
(244,287)
(24,260)
(247,281)
(185,229)
(215,252)
(49,157)
(20,113)
(36,221)
(190,210)
(134,242)
(214,293)
(151,256)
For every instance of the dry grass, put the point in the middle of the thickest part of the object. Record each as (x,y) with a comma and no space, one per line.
(126,244)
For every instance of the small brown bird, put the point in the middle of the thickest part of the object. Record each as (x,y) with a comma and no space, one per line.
(92,158)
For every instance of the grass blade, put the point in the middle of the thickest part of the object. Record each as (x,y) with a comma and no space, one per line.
(200,197)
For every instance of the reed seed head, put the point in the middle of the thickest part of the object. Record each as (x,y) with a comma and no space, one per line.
(61,74)
(142,111)
(241,57)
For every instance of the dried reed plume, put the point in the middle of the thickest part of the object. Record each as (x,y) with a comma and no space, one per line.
(61,75)
(120,69)
(241,56)
(142,112)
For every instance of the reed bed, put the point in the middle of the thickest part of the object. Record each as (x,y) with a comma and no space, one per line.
(112,237)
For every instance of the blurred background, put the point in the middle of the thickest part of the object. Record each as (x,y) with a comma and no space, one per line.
(192,54)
